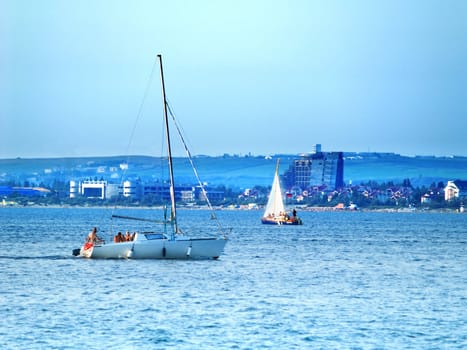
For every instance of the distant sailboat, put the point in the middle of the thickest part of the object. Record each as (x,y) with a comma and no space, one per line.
(160,244)
(275,213)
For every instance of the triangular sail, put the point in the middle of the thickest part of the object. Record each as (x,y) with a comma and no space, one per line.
(275,205)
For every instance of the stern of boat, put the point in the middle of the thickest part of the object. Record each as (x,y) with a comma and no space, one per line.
(86,250)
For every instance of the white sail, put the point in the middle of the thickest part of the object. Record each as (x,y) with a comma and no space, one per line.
(275,205)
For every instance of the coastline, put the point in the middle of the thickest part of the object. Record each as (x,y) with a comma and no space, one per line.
(246,208)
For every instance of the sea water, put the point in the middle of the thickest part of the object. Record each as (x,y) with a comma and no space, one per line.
(359,280)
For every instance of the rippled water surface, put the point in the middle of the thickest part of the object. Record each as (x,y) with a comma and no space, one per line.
(343,280)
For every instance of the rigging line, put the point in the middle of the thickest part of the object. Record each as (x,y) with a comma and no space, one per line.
(190,158)
(138,116)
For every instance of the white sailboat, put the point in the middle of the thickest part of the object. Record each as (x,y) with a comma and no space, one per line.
(159,245)
(275,213)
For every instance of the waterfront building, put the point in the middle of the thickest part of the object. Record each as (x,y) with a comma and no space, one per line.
(136,189)
(316,169)
(113,190)
(131,189)
(161,191)
(88,189)
(6,191)
(455,189)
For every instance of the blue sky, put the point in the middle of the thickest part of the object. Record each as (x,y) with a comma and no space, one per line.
(263,77)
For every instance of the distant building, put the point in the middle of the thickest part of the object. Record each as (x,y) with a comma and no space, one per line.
(316,170)
(131,189)
(426,198)
(161,191)
(88,189)
(211,194)
(8,191)
(104,190)
(455,189)
(112,190)
(137,190)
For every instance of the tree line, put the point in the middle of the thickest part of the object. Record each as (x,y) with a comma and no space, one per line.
(368,194)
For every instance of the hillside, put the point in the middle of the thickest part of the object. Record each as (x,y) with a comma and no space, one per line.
(233,171)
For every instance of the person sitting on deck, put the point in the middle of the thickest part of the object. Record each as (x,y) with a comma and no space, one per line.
(118,238)
(127,236)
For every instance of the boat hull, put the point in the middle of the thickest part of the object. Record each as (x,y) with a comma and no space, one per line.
(272,221)
(184,248)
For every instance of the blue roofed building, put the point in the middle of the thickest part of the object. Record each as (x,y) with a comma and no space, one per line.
(8,191)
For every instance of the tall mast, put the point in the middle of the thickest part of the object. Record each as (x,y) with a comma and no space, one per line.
(173,214)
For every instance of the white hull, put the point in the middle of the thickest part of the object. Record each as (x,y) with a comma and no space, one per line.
(144,248)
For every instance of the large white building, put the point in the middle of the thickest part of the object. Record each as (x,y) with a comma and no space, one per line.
(455,189)
(89,189)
